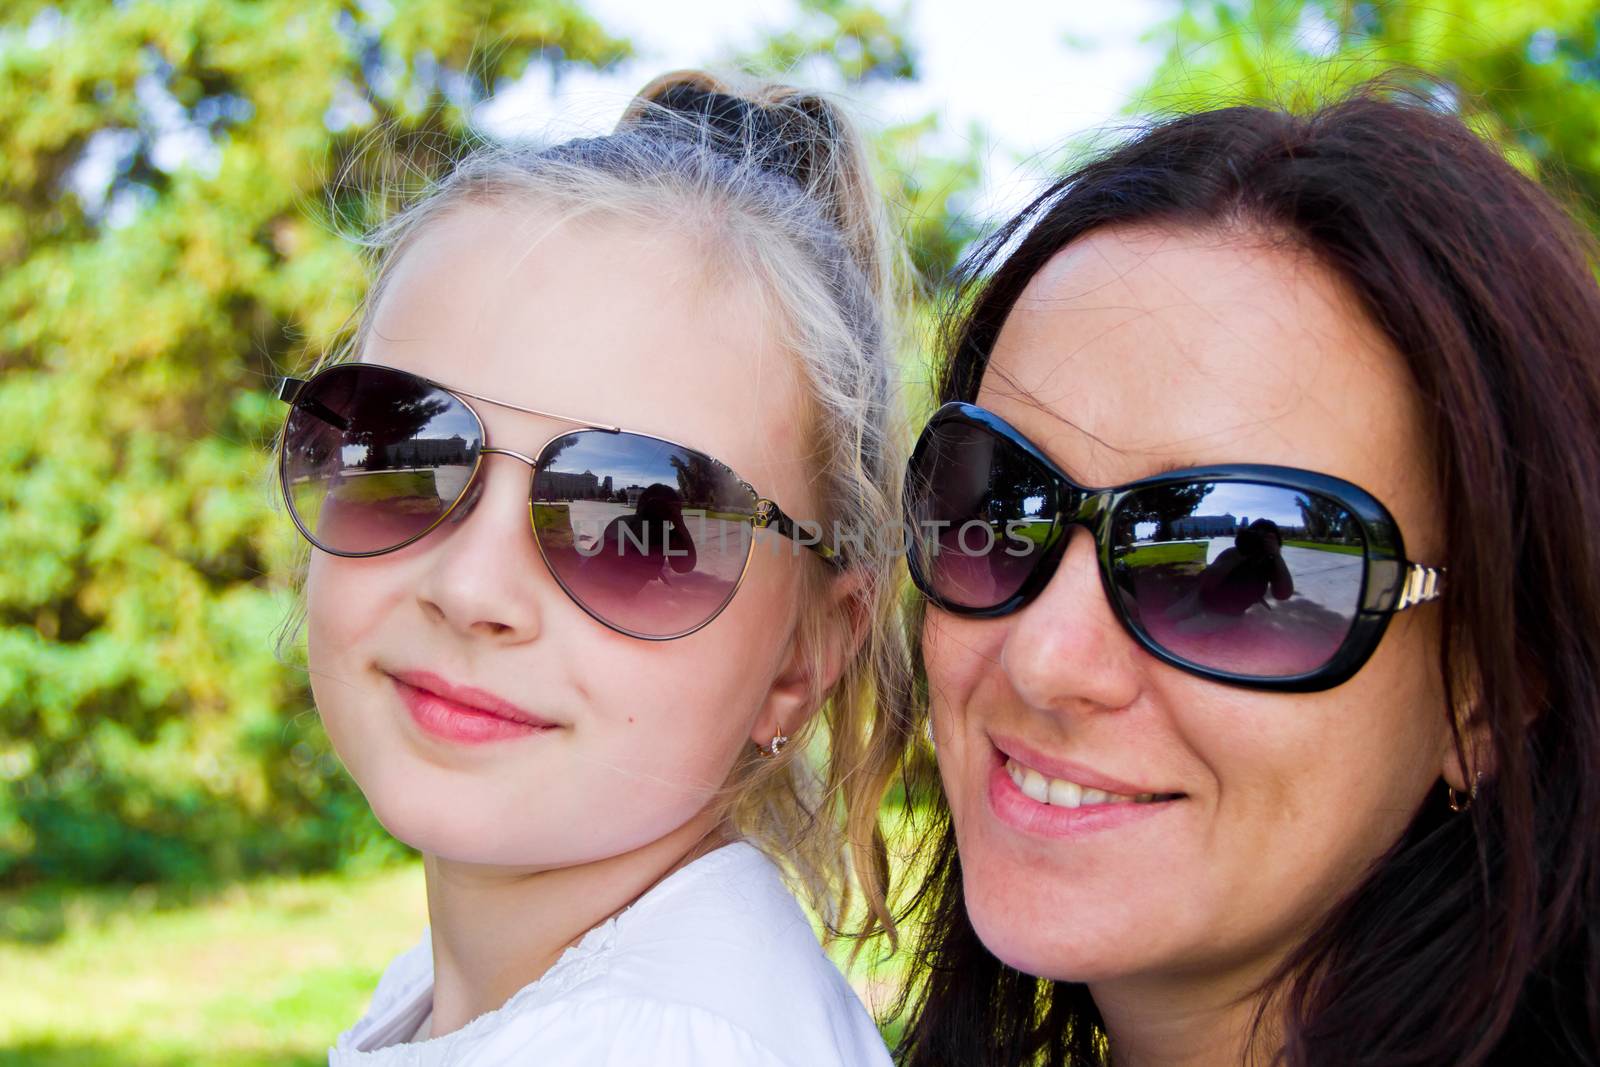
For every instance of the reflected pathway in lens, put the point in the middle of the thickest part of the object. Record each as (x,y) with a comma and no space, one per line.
(1323,577)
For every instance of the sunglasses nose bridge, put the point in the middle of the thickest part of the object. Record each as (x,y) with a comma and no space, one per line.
(469,497)
(1086,509)
(533,464)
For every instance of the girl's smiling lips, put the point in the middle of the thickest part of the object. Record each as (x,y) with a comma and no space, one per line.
(463,713)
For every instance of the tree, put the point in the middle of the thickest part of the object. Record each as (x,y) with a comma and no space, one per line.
(1525,73)
(147,730)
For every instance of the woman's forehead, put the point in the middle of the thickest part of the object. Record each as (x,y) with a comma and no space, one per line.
(1140,347)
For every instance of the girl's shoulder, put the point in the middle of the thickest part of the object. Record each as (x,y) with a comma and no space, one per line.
(402,996)
(716,965)
(721,955)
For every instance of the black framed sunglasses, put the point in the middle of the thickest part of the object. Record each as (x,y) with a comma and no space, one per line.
(1258,576)
(650,537)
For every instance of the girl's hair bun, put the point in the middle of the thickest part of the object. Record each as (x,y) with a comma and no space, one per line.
(733,124)
(795,132)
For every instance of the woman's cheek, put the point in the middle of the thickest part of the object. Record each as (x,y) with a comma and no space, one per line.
(954,653)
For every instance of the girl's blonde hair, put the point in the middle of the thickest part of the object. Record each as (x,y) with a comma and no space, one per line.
(774,183)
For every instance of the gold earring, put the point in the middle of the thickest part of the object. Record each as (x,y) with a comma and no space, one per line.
(774,747)
(1455,798)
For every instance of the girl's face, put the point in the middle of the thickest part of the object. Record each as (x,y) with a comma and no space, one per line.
(602,322)
(1131,352)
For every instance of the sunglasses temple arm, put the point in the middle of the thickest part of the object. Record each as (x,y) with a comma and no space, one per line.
(1422,584)
(289,388)
(770,516)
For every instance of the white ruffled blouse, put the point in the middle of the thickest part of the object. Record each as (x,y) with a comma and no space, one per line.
(715,966)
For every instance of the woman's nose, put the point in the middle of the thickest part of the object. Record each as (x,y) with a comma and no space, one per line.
(1067,649)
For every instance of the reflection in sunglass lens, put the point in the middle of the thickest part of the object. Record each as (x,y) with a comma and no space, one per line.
(1251,579)
(373,457)
(981,515)
(645,535)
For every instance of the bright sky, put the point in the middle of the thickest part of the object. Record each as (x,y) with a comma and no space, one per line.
(1031,73)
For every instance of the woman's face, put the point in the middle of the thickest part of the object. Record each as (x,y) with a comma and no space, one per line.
(1131,352)
(599,322)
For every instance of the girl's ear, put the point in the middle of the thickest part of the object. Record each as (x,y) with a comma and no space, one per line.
(795,692)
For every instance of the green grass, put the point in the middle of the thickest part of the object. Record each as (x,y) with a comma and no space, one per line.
(388,486)
(1037,531)
(264,972)
(1170,552)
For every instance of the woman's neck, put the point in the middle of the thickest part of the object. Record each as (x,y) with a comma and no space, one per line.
(1185,1022)
(496,929)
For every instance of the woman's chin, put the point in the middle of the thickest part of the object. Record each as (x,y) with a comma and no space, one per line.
(1056,962)
(1100,944)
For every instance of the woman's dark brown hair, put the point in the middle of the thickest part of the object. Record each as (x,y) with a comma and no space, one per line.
(1473,940)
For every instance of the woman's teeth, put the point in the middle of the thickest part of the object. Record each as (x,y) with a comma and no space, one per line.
(1063,794)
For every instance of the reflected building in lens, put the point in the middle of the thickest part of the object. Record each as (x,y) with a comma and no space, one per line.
(569,485)
(1197,526)
(417,453)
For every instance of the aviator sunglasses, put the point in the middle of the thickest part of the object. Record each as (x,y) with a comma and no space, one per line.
(648,536)
(1258,576)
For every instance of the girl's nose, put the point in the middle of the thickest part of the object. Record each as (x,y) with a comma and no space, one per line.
(485,576)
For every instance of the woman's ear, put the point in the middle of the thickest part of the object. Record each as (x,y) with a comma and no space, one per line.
(1469,746)
(806,673)
(1473,758)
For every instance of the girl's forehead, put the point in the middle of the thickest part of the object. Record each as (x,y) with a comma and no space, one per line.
(598,319)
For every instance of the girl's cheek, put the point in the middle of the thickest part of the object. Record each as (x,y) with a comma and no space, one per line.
(346,601)
(345,606)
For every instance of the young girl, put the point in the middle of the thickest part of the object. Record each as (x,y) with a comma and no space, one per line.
(668,348)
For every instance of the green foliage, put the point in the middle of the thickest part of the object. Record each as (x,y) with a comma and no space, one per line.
(1525,73)
(857,39)
(930,194)
(147,732)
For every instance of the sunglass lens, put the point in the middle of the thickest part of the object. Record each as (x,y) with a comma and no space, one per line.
(1251,579)
(373,457)
(980,514)
(648,537)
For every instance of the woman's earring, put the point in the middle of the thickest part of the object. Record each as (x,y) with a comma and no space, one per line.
(774,747)
(1456,803)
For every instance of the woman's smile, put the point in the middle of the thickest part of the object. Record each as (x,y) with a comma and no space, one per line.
(1037,794)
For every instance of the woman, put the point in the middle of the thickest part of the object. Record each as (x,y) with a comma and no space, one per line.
(1350,816)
